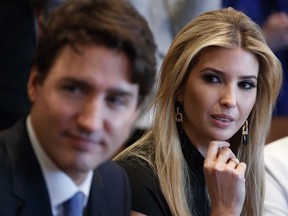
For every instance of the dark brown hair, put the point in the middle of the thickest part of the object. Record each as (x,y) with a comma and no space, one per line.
(114,24)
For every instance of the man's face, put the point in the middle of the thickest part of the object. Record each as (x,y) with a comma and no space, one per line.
(83,111)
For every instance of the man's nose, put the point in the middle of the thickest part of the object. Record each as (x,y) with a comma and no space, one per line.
(91,116)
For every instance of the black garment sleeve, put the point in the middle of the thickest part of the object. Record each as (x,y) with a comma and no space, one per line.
(147,197)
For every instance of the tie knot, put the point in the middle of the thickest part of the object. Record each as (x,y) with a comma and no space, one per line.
(74,206)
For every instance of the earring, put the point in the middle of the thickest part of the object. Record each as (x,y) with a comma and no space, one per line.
(245,134)
(179,119)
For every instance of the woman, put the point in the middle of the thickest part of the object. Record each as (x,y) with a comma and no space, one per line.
(204,153)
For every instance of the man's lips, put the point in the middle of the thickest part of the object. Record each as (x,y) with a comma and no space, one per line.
(85,136)
(85,141)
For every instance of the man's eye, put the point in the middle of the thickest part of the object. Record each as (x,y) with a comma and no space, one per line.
(117,100)
(72,89)
(211,78)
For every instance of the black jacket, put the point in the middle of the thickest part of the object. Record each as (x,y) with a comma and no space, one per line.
(23,191)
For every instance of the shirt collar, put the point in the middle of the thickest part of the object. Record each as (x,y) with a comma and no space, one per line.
(54,177)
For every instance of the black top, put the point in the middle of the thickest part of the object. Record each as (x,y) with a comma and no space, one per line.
(147,197)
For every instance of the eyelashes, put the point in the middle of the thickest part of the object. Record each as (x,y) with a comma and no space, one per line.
(245,84)
(211,78)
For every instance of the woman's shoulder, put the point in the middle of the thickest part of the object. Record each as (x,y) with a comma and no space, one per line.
(136,166)
(144,186)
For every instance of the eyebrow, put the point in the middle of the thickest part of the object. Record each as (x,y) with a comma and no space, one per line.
(224,74)
(121,91)
(249,77)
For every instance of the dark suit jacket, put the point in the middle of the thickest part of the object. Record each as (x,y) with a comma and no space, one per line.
(23,191)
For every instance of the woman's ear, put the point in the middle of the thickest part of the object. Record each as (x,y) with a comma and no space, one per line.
(179,96)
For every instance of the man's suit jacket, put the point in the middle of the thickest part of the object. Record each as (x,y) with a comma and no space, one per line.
(23,191)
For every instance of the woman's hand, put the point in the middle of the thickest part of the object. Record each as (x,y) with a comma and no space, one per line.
(224,176)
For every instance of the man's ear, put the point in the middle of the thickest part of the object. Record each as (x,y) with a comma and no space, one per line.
(33,85)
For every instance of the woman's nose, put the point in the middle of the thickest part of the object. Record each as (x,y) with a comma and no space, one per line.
(228,97)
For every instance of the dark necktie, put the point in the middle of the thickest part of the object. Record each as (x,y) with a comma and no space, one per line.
(74,206)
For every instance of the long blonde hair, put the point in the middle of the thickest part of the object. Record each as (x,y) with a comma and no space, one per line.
(161,147)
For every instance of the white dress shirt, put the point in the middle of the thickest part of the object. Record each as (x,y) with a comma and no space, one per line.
(60,186)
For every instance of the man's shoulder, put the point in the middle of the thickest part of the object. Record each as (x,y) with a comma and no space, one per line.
(110,191)
(109,171)
(111,180)
(108,166)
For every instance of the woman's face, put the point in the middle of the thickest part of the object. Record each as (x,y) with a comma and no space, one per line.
(219,94)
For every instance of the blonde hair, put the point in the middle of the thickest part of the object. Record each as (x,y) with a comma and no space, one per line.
(161,147)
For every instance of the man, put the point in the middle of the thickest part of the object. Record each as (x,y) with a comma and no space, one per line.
(92,70)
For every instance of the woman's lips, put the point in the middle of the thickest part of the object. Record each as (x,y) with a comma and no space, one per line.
(222,120)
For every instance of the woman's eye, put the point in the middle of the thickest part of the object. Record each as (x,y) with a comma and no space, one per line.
(211,78)
(247,85)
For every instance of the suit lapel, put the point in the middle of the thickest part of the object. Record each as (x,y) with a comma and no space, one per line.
(94,203)
(27,178)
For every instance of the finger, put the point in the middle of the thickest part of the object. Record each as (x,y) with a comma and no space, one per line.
(224,155)
(213,149)
(232,163)
(241,168)
(240,171)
